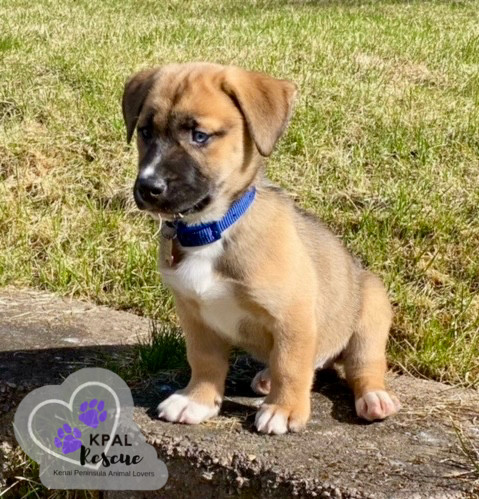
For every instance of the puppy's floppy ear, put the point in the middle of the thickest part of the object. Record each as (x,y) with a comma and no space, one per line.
(134,95)
(265,102)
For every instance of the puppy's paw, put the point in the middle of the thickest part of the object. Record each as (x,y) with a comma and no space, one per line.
(275,419)
(261,383)
(378,404)
(179,408)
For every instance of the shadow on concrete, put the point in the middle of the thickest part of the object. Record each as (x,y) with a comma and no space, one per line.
(26,370)
(22,371)
(332,386)
(240,400)
(52,365)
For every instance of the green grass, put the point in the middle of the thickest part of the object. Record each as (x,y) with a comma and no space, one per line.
(383,146)
(21,479)
(163,351)
(469,450)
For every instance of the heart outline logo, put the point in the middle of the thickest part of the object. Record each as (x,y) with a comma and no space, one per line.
(69,405)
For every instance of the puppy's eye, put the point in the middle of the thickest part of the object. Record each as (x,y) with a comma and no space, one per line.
(145,133)
(200,137)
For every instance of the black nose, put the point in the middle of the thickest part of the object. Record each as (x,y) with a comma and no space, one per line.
(151,187)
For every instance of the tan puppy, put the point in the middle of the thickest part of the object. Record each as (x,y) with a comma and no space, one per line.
(276,282)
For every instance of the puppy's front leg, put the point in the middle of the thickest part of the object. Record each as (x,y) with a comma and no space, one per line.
(291,364)
(208,356)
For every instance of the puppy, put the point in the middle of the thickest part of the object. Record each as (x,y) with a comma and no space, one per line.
(247,267)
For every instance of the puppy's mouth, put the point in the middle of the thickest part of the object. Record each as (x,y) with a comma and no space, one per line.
(197,207)
(172,210)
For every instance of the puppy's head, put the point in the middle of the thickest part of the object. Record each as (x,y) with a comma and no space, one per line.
(201,129)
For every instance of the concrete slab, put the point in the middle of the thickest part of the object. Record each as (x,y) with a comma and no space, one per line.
(416,454)
(44,337)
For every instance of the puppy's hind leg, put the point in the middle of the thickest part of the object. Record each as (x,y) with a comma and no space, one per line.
(365,354)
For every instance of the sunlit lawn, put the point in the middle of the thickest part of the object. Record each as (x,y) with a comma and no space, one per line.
(383,146)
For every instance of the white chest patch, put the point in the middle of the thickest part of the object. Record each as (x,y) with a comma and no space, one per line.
(195,277)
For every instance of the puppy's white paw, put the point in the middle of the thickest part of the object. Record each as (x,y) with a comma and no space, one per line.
(276,420)
(378,404)
(178,408)
(261,383)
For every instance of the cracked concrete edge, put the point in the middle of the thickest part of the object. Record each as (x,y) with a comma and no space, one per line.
(238,475)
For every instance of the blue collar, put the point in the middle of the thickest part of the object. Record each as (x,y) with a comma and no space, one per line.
(198,235)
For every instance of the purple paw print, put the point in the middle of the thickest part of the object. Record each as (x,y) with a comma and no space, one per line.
(92,414)
(67,439)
